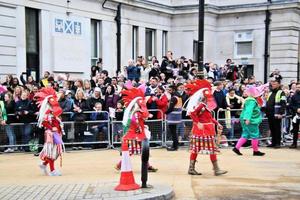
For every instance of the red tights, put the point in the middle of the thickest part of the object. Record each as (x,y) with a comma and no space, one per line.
(213,157)
(51,163)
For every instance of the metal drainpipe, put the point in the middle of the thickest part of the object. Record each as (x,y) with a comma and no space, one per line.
(200,56)
(118,23)
(267,35)
(298,70)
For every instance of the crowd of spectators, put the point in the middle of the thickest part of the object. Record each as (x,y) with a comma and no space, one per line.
(164,80)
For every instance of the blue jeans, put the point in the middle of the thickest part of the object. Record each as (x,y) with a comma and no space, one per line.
(26,134)
(180,129)
(96,131)
(231,130)
(10,134)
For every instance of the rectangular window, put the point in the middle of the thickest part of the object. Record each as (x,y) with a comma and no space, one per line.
(32,42)
(164,43)
(195,50)
(243,44)
(95,41)
(150,43)
(244,48)
(135,31)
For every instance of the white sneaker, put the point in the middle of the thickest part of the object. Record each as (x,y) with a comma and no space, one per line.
(288,137)
(55,173)
(43,169)
(9,150)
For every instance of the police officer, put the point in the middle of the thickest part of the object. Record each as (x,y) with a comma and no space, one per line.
(275,110)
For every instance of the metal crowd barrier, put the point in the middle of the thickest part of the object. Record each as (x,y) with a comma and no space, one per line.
(86,133)
(107,132)
(183,128)
(155,126)
(89,133)
(232,128)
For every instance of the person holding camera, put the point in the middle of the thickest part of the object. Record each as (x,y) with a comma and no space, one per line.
(295,109)
(167,65)
(133,71)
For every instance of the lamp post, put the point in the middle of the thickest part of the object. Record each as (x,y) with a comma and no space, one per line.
(200,36)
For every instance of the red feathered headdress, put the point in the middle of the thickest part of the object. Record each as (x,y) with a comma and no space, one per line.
(48,96)
(43,93)
(196,85)
(129,95)
(193,89)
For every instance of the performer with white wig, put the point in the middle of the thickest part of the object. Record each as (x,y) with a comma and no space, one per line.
(200,108)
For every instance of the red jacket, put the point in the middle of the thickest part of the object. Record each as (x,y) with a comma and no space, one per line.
(203,115)
(136,129)
(162,104)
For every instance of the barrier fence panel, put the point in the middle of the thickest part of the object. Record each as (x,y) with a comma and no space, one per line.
(27,137)
(183,128)
(155,125)
(232,129)
(20,136)
(89,129)
(96,129)
(178,122)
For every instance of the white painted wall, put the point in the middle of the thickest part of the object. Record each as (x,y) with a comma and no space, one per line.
(68,53)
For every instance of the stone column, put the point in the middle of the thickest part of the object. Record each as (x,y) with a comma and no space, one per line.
(158,46)
(45,35)
(109,47)
(141,41)
(21,40)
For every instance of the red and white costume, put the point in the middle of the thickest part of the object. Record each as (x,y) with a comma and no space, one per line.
(199,108)
(203,140)
(49,119)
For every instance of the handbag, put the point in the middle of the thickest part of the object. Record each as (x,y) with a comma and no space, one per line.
(57,139)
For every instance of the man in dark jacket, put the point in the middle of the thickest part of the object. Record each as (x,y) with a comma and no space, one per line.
(155,71)
(174,116)
(167,65)
(25,115)
(106,78)
(66,104)
(133,71)
(275,110)
(102,127)
(295,109)
(220,99)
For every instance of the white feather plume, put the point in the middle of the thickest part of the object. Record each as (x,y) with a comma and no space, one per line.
(128,110)
(194,101)
(43,109)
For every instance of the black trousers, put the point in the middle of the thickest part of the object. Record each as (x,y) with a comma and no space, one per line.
(172,130)
(295,131)
(275,128)
(145,160)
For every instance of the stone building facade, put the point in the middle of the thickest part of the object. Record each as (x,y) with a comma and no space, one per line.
(69,36)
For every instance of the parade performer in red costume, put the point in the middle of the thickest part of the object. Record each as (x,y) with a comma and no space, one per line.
(199,108)
(136,133)
(49,119)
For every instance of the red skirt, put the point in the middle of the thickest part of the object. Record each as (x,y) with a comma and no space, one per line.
(134,146)
(203,144)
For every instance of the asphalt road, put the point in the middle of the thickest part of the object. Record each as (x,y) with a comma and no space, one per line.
(274,176)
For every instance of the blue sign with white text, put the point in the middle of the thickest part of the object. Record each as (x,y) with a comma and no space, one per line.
(68,27)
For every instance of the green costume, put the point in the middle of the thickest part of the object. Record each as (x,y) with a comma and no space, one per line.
(251,112)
